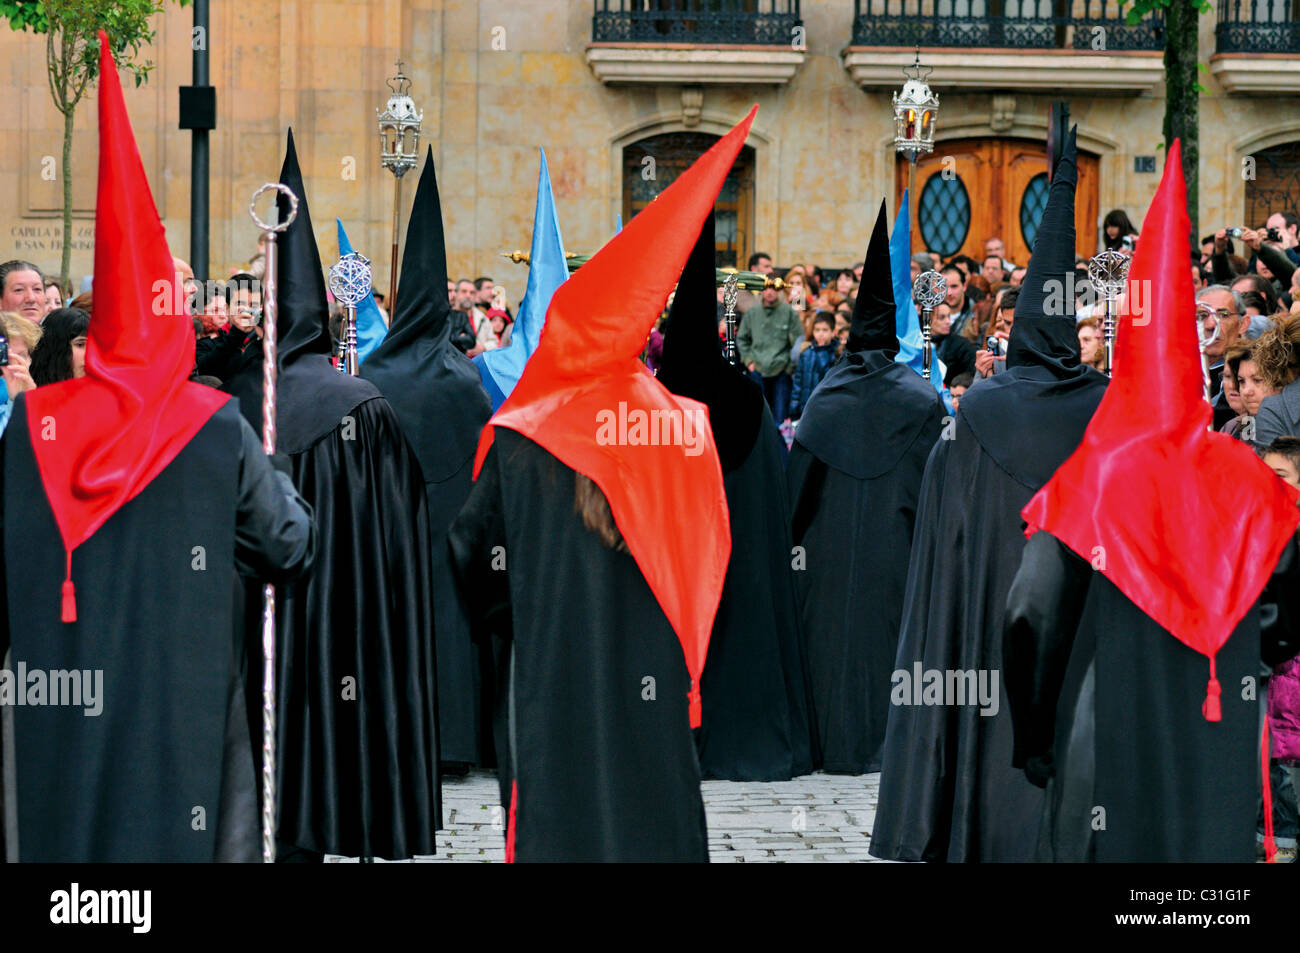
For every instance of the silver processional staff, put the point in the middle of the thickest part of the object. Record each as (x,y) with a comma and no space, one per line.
(928,291)
(269,367)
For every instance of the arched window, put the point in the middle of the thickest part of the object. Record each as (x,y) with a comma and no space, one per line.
(944,212)
(1276,184)
(1032,204)
(651,165)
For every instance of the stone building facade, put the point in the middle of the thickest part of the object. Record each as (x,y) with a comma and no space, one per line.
(605,85)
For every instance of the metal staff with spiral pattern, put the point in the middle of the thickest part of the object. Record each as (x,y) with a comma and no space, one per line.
(269,331)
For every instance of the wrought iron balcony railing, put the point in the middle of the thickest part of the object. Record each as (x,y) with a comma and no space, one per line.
(766,22)
(1258,26)
(1096,25)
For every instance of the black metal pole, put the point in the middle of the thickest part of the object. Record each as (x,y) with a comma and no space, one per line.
(199,152)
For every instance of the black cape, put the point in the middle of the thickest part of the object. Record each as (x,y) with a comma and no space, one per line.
(592,721)
(854,474)
(947,788)
(439,398)
(357,728)
(165,770)
(757,719)
(1107,712)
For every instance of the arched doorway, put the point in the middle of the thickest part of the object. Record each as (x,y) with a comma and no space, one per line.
(650,165)
(1276,183)
(969,190)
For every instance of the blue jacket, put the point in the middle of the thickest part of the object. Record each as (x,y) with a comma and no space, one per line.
(813,364)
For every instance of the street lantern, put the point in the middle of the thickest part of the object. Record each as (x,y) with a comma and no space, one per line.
(399,151)
(916,108)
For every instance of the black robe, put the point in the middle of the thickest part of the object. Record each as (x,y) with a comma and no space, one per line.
(439,398)
(757,720)
(358,747)
(592,722)
(947,788)
(853,488)
(1107,713)
(165,770)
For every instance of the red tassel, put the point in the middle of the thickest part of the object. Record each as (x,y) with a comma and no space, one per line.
(510,822)
(696,706)
(1211,709)
(69,595)
(1270,843)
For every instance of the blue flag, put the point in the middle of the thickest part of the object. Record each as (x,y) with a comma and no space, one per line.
(907,321)
(370,324)
(501,367)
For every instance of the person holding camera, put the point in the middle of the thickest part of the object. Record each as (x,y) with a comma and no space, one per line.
(20,339)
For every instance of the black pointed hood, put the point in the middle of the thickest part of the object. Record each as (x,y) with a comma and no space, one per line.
(1045,332)
(1031,417)
(693,364)
(303,308)
(436,391)
(874,326)
(312,397)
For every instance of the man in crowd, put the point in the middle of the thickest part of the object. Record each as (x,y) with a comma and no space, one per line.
(468,320)
(760,262)
(993,272)
(484,289)
(994,248)
(1288,224)
(1225,305)
(766,338)
(920,263)
(958,301)
(22,290)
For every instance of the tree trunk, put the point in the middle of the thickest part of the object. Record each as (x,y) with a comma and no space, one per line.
(65,265)
(1182,103)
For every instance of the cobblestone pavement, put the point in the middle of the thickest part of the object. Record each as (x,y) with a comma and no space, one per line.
(821,817)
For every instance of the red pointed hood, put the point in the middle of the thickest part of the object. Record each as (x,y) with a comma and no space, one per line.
(1143,498)
(99,440)
(584,379)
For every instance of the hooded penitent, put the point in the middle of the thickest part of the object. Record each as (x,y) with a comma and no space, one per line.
(500,367)
(111,432)
(586,399)
(947,788)
(757,704)
(370,324)
(358,773)
(1054,393)
(854,476)
(440,401)
(1163,542)
(877,439)
(158,492)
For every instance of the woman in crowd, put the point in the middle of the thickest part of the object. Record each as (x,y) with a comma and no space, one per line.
(61,354)
(1277,364)
(1232,359)
(796,295)
(22,337)
(53,295)
(1092,347)
(1116,228)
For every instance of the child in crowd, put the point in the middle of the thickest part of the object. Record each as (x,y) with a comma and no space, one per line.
(813,364)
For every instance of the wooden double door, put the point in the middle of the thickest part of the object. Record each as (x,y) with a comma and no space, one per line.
(969,190)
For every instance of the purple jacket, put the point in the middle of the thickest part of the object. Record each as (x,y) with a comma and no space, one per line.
(1284,711)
